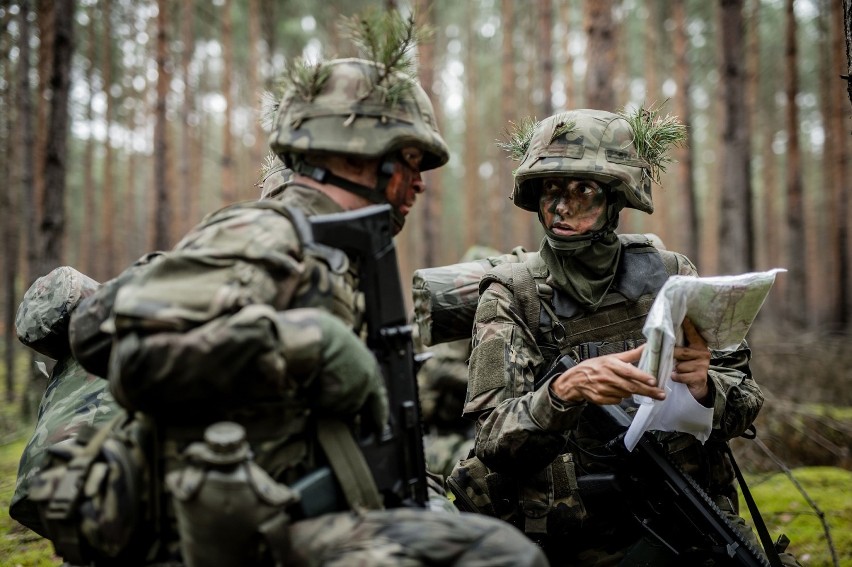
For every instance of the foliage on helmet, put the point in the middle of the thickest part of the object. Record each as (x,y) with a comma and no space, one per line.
(654,135)
(598,145)
(368,107)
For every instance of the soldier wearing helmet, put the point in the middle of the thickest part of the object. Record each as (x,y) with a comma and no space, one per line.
(564,333)
(237,351)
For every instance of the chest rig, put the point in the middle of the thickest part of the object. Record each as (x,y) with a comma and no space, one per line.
(562,327)
(549,501)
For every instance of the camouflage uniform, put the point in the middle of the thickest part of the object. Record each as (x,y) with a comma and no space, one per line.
(522,431)
(73,397)
(243,322)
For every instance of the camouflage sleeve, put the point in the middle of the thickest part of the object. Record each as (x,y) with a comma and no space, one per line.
(519,430)
(737,398)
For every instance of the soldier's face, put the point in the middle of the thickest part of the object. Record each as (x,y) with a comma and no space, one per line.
(405,183)
(571,207)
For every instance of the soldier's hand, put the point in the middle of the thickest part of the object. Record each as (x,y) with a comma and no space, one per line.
(692,362)
(606,380)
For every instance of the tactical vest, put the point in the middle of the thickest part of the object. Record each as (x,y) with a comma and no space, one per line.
(549,502)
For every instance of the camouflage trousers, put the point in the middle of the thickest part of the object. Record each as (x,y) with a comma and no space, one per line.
(411,538)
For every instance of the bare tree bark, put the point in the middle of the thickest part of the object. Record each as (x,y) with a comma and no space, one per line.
(797,307)
(33,195)
(255,55)
(88,236)
(600,53)
(847,26)
(685,155)
(162,210)
(735,227)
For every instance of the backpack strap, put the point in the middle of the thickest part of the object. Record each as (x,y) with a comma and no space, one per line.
(349,465)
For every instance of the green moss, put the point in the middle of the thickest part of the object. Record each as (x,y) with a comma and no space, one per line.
(786,510)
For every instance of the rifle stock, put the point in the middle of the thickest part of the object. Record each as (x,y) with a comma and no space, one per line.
(395,455)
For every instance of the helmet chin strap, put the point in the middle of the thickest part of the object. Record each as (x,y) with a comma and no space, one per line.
(377,194)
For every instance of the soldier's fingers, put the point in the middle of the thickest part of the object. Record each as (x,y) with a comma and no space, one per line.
(692,336)
(690,353)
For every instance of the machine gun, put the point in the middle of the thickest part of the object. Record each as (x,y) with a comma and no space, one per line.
(395,455)
(669,505)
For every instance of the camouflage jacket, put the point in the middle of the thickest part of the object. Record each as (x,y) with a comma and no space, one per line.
(522,431)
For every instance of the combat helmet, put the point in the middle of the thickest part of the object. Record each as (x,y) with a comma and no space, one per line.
(351,113)
(592,144)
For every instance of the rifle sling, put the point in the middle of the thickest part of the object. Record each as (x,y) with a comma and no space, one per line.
(760,526)
(349,466)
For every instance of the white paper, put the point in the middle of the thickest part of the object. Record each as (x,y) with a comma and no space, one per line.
(722,308)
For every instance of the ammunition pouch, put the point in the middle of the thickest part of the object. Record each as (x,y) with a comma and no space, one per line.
(546,502)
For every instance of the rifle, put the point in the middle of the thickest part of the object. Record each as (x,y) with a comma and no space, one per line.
(668,504)
(395,455)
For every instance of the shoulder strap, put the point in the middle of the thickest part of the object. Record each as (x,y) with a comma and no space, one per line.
(757,519)
(349,465)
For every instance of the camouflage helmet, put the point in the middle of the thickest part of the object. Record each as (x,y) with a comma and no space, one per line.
(349,114)
(591,144)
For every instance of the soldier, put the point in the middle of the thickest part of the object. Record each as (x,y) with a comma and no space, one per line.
(243,335)
(585,295)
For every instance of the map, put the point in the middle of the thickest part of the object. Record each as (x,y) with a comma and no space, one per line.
(722,308)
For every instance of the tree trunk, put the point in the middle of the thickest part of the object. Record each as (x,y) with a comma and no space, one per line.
(431,211)
(33,194)
(107,247)
(229,190)
(162,208)
(472,197)
(53,204)
(735,227)
(839,126)
(797,307)
(600,53)
(847,26)
(545,55)
(88,235)
(187,179)
(565,44)
(8,197)
(255,55)
(691,224)
(505,239)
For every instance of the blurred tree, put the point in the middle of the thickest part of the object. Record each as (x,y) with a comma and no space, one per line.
(107,249)
(229,189)
(600,54)
(162,208)
(544,35)
(683,108)
(89,223)
(8,197)
(735,227)
(797,308)
(473,199)
(500,214)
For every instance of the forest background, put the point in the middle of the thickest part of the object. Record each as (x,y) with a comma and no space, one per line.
(123,122)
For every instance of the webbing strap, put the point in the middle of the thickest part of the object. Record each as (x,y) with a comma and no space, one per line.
(349,466)
(526,292)
(757,519)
